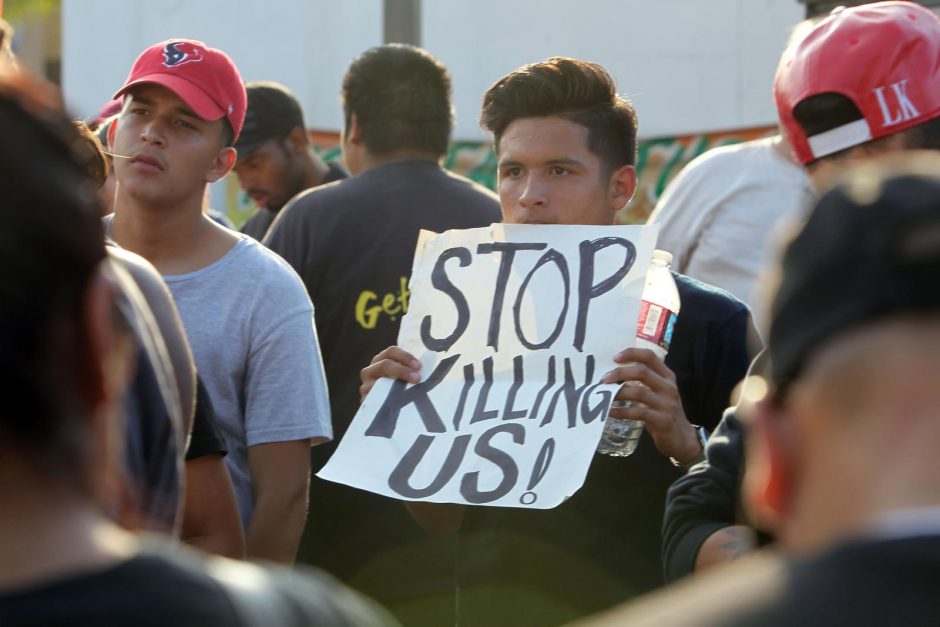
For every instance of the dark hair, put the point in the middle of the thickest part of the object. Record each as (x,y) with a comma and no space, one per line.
(400,95)
(51,244)
(575,90)
(97,164)
(823,112)
(228,134)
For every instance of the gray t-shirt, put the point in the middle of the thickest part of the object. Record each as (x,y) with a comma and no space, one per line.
(250,325)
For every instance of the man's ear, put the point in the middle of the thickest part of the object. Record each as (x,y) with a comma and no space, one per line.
(769,476)
(622,186)
(353,132)
(298,140)
(112,129)
(224,161)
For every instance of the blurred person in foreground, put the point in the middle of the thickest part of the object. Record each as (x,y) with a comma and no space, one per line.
(66,359)
(863,82)
(842,447)
(275,160)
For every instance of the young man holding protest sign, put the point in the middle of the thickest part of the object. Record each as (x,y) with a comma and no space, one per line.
(566,147)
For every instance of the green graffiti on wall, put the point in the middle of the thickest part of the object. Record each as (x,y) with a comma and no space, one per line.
(658,161)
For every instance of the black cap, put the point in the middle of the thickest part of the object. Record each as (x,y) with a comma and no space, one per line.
(272,112)
(869,250)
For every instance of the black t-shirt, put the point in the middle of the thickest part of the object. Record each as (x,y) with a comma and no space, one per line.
(257,225)
(205,439)
(183,588)
(602,546)
(353,244)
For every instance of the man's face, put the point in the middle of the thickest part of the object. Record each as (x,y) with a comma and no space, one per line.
(547,175)
(270,174)
(172,153)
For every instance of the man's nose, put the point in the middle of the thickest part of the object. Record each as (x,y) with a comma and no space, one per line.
(152,133)
(534,193)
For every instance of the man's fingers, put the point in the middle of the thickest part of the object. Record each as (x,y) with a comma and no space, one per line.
(393,363)
(646,357)
(638,394)
(647,414)
(398,354)
(641,373)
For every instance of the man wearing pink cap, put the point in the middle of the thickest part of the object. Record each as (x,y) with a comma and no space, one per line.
(246,313)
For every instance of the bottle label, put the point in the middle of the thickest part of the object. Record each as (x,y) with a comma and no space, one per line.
(655,324)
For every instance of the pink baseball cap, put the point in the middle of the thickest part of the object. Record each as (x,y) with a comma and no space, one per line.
(884,57)
(205,78)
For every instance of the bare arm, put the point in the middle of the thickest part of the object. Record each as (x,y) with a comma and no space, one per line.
(280,478)
(724,546)
(210,514)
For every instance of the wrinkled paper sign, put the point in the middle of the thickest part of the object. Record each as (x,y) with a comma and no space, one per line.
(514,325)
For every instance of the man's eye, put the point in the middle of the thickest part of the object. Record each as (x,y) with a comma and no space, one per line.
(512,171)
(185,124)
(559,171)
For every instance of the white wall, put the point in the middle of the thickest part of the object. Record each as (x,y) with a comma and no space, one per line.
(304,44)
(688,65)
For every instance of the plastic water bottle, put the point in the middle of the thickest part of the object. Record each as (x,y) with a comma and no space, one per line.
(659,309)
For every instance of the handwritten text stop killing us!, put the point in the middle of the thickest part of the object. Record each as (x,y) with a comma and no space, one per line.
(517,410)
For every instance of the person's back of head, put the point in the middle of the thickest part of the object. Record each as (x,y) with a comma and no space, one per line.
(51,247)
(854,344)
(865,79)
(575,90)
(400,97)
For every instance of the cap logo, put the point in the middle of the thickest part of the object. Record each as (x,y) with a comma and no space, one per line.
(180,53)
(905,109)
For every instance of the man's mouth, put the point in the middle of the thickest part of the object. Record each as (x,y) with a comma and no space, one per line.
(259,198)
(147,163)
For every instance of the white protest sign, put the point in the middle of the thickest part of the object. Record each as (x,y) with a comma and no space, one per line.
(515,325)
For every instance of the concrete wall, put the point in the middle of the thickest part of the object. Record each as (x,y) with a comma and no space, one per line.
(304,44)
(688,65)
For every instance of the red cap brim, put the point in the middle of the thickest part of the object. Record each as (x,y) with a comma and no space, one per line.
(194,97)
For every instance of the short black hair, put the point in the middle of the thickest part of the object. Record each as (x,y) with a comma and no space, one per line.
(828,110)
(97,163)
(400,95)
(578,91)
(228,134)
(51,245)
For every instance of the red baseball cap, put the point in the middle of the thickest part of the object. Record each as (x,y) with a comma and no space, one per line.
(884,57)
(205,78)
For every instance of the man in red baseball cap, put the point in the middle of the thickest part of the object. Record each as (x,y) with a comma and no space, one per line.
(246,313)
(865,80)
